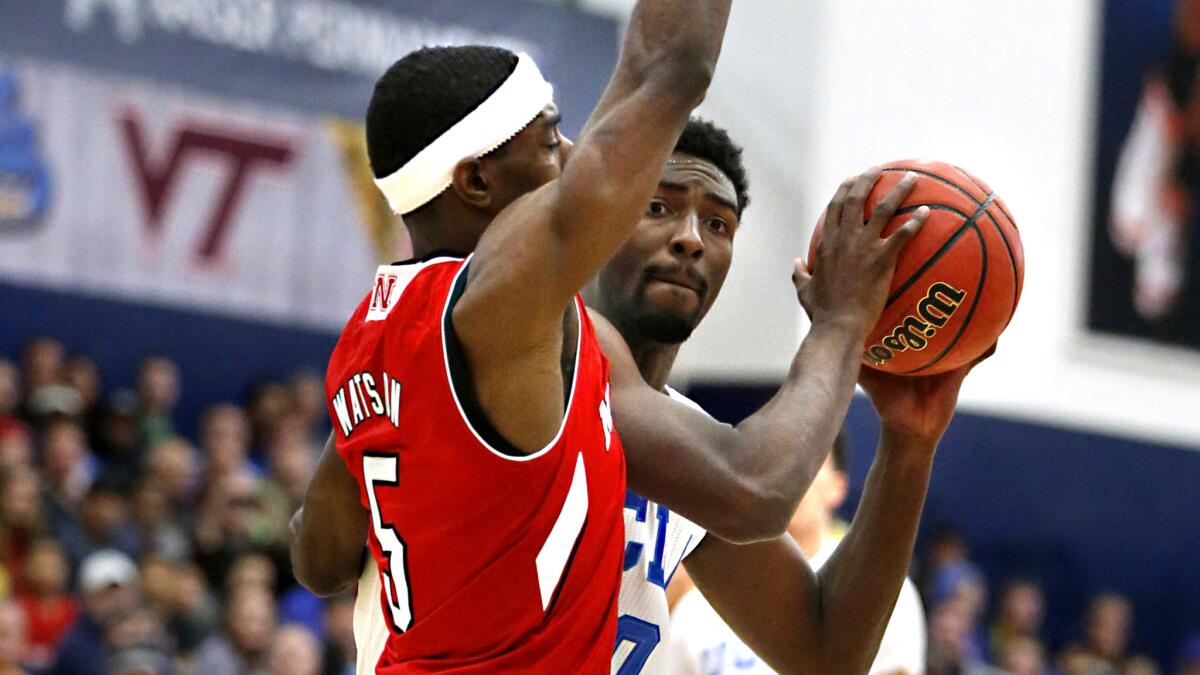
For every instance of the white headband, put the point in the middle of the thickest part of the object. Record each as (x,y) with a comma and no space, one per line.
(493,123)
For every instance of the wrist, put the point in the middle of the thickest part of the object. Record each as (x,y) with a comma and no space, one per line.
(899,437)
(848,325)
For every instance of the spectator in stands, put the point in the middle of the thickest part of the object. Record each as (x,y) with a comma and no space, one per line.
(21,521)
(10,391)
(66,470)
(294,651)
(243,646)
(1022,655)
(115,436)
(158,390)
(171,464)
(102,523)
(1107,630)
(308,404)
(137,643)
(270,402)
(291,463)
(232,524)
(340,652)
(158,531)
(48,607)
(43,364)
(950,649)
(83,376)
(1021,611)
(963,584)
(12,639)
(16,444)
(108,582)
(225,442)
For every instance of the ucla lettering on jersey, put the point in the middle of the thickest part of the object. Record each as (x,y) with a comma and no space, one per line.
(656,542)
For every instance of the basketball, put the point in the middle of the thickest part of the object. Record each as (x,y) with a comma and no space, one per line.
(957,283)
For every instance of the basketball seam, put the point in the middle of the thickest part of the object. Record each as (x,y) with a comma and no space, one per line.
(970,312)
(1012,258)
(968,222)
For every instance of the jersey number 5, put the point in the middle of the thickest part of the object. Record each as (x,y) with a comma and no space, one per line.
(383,470)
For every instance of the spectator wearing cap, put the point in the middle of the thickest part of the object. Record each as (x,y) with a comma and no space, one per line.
(115,434)
(13,645)
(109,584)
(49,609)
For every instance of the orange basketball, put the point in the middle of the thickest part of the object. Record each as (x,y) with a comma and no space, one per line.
(957,282)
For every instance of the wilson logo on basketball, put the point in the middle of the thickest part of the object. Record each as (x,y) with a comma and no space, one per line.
(915,331)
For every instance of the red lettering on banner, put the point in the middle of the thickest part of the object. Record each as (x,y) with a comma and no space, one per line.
(241,154)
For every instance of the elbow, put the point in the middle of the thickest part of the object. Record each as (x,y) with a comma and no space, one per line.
(756,514)
(677,78)
(320,581)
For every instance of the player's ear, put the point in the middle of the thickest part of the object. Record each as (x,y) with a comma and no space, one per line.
(471,185)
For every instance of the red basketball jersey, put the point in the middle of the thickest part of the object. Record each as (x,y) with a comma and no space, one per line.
(488,560)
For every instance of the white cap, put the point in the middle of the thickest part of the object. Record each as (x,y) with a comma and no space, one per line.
(106,568)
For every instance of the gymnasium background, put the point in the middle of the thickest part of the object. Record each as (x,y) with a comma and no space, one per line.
(187,179)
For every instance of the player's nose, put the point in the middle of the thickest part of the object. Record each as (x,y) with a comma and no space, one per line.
(686,239)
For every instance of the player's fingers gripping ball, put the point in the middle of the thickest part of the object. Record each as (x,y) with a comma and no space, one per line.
(957,282)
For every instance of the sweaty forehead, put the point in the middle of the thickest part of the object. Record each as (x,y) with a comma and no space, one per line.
(689,169)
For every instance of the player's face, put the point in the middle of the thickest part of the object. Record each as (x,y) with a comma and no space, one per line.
(663,281)
(533,157)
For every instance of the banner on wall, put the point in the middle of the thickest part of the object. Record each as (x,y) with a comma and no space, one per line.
(1145,263)
(208,154)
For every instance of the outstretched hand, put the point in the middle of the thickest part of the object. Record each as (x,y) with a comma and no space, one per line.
(920,407)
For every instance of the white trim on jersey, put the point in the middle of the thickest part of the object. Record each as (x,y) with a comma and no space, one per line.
(370,629)
(556,550)
(454,394)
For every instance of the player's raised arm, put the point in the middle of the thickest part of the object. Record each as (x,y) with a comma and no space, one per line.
(541,250)
(743,483)
(833,621)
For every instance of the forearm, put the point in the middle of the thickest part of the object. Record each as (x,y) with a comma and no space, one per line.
(323,564)
(781,447)
(860,583)
(329,532)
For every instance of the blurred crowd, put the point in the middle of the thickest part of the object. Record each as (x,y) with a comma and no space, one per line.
(126,547)
(973,634)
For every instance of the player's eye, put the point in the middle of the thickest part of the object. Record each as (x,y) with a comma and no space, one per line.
(657,209)
(717,225)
